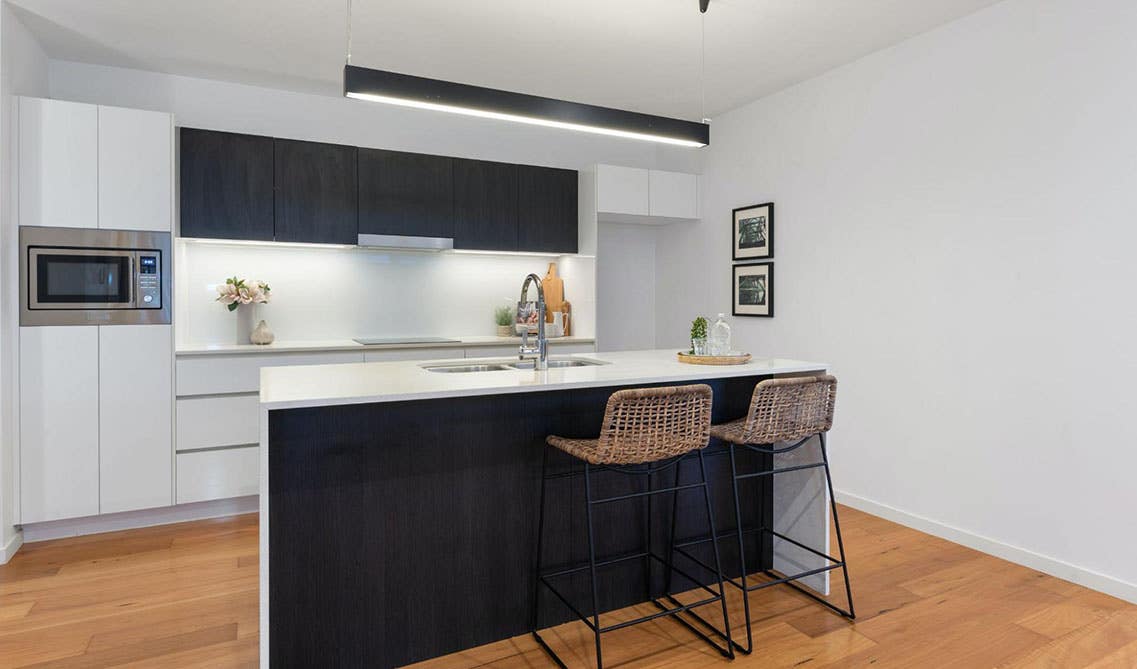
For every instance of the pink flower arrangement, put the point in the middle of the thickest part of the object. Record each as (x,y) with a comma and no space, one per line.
(235,292)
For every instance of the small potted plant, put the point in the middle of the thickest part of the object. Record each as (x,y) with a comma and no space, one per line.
(503,316)
(699,336)
(239,295)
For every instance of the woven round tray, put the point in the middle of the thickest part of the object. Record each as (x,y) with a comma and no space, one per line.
(740,359)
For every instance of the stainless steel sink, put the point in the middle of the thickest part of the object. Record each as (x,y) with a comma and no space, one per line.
(558,364)
(464,369)
(506,365)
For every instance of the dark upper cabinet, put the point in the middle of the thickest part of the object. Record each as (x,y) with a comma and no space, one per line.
(546,209)
(226,185)
(315,192)
(485,205)
(405,194)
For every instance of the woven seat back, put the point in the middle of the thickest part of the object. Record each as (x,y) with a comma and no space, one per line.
(650,424)
(790,409)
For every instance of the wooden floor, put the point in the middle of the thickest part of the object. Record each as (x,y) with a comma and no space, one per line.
(186,596)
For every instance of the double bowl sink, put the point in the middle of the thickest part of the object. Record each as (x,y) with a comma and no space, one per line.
(554,363)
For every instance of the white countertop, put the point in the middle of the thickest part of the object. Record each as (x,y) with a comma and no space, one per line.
(362,383)
(351,345)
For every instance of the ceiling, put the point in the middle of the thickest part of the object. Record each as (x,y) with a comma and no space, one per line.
(642,55)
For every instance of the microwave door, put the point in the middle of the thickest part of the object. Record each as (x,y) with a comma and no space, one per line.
(80,278)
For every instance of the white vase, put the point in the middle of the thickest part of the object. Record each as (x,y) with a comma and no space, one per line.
(245,320)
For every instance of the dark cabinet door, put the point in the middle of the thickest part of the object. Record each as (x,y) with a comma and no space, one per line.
(225,185)
(315,193)
(485,205)
(546,209)
(405,194)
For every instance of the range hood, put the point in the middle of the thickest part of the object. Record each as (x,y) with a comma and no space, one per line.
(406,242)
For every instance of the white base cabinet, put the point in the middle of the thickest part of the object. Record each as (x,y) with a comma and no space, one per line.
(135,417)
(206,475)
(96,428)
(59,422)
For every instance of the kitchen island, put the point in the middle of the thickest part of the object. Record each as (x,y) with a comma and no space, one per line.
(398,500)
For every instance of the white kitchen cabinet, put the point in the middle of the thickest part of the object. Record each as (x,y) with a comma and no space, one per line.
(135,417)
(58,163)
(647,197)
(413,354)
(218,421)
(673,194)
(206,475)
(622,190)
(59,422)
(135,169)
(214,374)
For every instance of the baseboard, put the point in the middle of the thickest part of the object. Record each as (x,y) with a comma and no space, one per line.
(9,549)
(1048,565)
(128,520)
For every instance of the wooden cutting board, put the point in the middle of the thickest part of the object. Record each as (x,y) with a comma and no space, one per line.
(554,288)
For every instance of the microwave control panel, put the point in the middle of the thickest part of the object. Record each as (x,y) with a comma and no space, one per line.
(149,280)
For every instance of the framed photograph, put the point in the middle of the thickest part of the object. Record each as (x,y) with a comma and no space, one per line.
(753,289)
(753,232)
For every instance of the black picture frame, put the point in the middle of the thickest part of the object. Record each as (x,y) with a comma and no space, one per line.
(768,305)
(737,252)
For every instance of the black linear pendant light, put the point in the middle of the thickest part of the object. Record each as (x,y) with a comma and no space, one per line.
(423,93)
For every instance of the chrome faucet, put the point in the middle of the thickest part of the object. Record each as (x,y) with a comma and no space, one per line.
(540,352)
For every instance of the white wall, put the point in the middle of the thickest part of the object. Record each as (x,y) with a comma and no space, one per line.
(625,277)
(955,234)
(338,293)
(23,71)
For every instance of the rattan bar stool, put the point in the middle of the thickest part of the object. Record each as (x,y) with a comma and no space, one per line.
(788,411)
(644,432)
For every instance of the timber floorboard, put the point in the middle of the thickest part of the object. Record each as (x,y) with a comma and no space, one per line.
(185,595)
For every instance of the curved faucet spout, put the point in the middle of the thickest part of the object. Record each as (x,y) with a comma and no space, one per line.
(532,278)
(541,351)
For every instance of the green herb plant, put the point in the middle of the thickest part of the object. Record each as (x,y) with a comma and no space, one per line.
(698,330)
(503,315)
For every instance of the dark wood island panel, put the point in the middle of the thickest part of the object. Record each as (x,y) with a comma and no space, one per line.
(401,531)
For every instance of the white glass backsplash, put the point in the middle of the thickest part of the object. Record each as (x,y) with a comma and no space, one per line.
(340,293)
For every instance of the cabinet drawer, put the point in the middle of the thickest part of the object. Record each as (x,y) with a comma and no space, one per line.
(211,374)
(505,351)
(209,422)
(206,475)
(413,354)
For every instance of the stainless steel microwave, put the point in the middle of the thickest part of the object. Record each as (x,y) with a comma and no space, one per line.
(81,276)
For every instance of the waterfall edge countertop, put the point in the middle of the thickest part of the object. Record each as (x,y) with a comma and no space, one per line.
(363,383)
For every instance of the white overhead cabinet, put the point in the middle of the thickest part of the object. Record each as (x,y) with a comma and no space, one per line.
(59,422)
(649,197)
(136,153)
(93,166)
(58,163)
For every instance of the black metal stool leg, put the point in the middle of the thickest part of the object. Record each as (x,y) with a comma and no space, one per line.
(729,652)
(742,565)
(837,526)
(592,562)
(535,613)
(671,535)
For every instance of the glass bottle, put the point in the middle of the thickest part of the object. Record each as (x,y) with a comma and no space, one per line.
(719,343)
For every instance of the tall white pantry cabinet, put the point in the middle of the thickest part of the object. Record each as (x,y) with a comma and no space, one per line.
(96,401)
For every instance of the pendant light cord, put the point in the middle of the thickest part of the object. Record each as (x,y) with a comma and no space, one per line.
(349,32)
(702,67)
